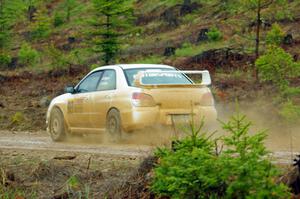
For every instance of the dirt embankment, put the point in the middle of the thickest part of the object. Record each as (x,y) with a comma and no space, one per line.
(25,96)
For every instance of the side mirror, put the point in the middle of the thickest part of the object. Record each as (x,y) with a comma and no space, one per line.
(70,89)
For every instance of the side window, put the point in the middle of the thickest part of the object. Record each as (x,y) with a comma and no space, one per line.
(108,81)
(89,84)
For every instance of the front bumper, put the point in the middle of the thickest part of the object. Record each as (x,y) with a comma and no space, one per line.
(144,117)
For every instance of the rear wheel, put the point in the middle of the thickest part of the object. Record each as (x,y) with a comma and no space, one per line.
(113,125)
(57,125)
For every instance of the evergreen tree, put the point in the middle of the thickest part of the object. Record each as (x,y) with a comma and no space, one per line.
(111,23)
(257,6)
(41,27)
(69,7)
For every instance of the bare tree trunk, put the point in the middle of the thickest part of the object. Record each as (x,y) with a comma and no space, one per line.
(258,25)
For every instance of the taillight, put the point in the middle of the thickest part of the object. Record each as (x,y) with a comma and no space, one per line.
(207,99)
(142,100)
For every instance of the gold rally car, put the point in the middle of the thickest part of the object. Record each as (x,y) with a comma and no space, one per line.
(124,98)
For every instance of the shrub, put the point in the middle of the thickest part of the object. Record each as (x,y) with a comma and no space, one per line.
(17,118)
(277,66)
(41,27)
(189,169)
(58,59)
(290,112)
(194,168)
(27,55)
(58,19)
(246,171)
(214,34)
(275,35)
(5,59)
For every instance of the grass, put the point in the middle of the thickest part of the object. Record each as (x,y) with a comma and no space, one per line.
(149,60)
(8,192)
(189,49)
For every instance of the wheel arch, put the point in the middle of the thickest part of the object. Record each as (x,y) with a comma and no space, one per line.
(63,112)
(111,108)
(118,110)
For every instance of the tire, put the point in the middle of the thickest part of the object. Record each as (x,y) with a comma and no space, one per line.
(113,125)
(57,125)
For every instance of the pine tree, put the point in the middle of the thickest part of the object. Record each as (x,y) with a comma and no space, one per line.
(257,6)
(41,27)
(111,23)
(69,7)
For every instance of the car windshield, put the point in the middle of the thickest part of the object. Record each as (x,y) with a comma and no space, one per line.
(156,77)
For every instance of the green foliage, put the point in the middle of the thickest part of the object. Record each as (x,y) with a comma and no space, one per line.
(41,28)
(27,55)
(214,34)
(189,49)
(57,57)
(17,118)
(73,183)
(8,192)
(195,168)
(246,170)
(189,169)
(290,111)
(277,66)
(5,59)
(275,35)
(10,12)
(149,60)
(58,19)
(112,21)
(70,6)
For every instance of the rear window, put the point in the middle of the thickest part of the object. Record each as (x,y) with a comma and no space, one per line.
(157,78)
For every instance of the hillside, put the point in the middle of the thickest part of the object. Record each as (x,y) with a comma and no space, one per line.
(168,31)
(165,32)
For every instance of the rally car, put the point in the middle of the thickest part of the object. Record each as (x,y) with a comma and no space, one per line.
(123,98)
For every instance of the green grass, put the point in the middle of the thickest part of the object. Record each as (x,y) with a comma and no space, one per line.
(9,193)
(149,60)
(189,50)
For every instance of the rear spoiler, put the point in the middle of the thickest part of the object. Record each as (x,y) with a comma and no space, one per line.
(206,79)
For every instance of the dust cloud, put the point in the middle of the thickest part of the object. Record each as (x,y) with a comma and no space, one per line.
(263,116)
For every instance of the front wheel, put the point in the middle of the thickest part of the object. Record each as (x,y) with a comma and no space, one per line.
(57,125)
(113,125)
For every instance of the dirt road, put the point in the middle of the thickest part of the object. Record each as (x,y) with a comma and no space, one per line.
(92,145)
(40,141)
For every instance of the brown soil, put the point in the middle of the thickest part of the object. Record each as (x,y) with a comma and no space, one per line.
(29,94)
(34,168)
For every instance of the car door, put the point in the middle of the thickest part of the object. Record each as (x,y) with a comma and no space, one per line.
(79,105)
(101,100)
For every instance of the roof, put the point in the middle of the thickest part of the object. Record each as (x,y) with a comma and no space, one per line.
(130,66)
